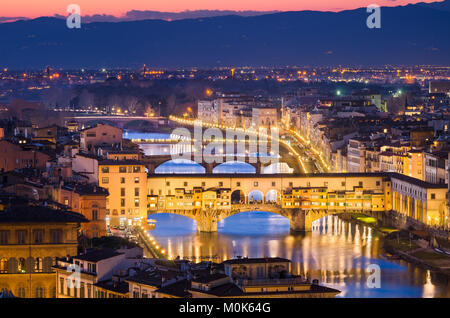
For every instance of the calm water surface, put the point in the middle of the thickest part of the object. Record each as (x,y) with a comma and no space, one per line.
(336,252)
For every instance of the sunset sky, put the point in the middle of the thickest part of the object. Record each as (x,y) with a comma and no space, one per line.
(36,8)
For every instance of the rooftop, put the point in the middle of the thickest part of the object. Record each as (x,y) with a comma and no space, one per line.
(98,255)
(39,214)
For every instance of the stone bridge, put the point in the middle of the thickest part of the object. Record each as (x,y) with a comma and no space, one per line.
(117,121)
(207,219)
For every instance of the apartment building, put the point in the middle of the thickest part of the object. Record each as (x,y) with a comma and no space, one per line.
(77,276)
(31,239)
(126,182)
(101,134)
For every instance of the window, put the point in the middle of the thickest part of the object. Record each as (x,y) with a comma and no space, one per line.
(291,184)
(136,169)
(21,292)
(136,180)
(220,184)
(122,180)
(92,267)
(343,183)
(3,265)
(38,236)
(39,292)
(378,183)
(4,237)
(89,290)
(122,203)
(238,184)
(61,286)
(105,169)
(38,265)
(94,215)
(273,184)
(185,184)
(56,236)
(122,192)
(122,169)
(168,184)
(433,196)
(136,202)
(104,180)
(360,183)
(136,192)
(255,184)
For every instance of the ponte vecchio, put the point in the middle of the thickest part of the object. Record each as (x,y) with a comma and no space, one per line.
(302,198)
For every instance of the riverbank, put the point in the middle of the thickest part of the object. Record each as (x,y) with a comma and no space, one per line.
(150,244)
(407,246)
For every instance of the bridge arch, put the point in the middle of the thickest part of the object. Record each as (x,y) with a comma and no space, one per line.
(272,196)
(180,166)
(94,122)
(137,124)
(278,167)
(256,196)
(238,196)
(234,167)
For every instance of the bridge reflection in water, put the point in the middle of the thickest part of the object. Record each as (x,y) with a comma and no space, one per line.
(336,252)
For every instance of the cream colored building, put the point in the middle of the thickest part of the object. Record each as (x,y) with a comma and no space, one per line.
(126,182)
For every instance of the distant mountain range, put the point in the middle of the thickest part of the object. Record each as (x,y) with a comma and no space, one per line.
(412,34)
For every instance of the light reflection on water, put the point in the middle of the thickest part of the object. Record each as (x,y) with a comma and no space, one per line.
(336,252)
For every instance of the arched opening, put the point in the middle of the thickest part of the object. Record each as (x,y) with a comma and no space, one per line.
(237,197)
(234,167)
(255,196)
(138,124)
(93,123)
(278,167)
(180,166)
(171,224)
(39,292)
(3,265)
(272,196)
(254,223)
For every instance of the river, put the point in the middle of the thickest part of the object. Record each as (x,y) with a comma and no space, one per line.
(336,252)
